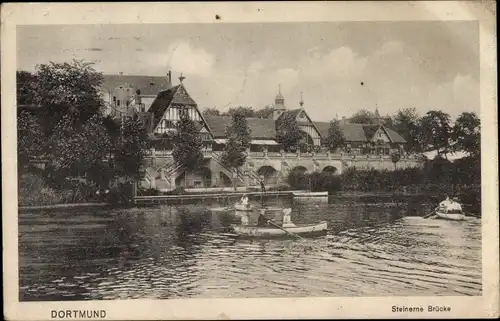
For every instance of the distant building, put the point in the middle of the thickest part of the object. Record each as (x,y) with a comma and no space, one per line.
(159,103)
(124,94)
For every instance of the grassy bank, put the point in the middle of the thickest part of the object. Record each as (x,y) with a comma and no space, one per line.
(35,190)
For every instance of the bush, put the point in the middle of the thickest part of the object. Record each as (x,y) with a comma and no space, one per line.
(278,188)
(437,176)
(316,181)
(32,191)
(177,191)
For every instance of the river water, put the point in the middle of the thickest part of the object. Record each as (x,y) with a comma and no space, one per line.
(374,247)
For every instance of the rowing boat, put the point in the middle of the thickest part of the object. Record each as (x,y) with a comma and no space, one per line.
(303,230)
(309,194)
(243,207)
(450,216)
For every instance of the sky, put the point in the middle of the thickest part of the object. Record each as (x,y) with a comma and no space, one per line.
(339,67)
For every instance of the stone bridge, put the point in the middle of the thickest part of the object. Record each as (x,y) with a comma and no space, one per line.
(273,168)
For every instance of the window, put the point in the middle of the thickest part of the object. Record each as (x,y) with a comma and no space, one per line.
(118,103)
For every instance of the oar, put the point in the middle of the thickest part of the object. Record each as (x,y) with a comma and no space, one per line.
(430,214)
(293,234)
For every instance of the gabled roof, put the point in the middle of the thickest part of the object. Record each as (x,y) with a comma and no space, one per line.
(295,113)
(394,136)
(261,128)
(161,103)
(360,132)
(148,85)
(292,112)
(354,132)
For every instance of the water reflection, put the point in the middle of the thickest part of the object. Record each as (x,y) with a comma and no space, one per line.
(374,247)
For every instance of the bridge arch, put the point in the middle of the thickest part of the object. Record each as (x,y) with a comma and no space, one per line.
(330,169)
(224,180)
(300,169)
(269,174)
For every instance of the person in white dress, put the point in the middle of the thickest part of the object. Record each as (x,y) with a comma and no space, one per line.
(244,200)
(454,206)
(443,206)
(287,220)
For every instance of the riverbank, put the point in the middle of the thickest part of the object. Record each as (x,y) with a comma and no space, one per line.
(56,206)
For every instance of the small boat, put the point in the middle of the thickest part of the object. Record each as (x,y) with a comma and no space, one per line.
(243,208)
(458,216)
(309,194)
(302,230)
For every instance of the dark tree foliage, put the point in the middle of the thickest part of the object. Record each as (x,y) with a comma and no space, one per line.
(30,141)
(466,134)
(265,112)
(130,149)
(187,150)
(395,158)
(67,89)
(241,110)
(406,123)
(239,137)
(435,132)
(362,116)
(335,137)
(288,133)
(25,87)
(211,111)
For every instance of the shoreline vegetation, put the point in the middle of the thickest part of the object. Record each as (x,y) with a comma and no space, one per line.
(438,177)
(90,157)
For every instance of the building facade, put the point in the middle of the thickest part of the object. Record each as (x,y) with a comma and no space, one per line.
(367,145)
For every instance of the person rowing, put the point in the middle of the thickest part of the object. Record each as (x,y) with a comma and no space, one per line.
(454,206)
(262,221)
(287,221)
(244,200)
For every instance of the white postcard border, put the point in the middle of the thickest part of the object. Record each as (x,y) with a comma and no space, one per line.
(334,307)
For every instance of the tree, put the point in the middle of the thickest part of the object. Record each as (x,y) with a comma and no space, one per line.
(362,116)
(238,134)
(395,158)
(76,149)
(30,141)
(406,123)
(130,149)
(70,89)
(435,131)
(288,133)
(466,134)
(241,110)
(187,150)
(25,82)
(211,112)
(335,137)
(265,112)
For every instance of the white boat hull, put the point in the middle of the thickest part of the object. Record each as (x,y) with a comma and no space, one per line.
(450,216)
(243,208)
(310,194)
(254,231)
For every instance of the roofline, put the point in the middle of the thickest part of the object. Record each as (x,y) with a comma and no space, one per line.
(201,114)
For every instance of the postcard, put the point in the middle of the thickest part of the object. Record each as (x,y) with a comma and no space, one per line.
(250,160)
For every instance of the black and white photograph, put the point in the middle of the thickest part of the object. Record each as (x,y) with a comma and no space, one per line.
(222,159)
